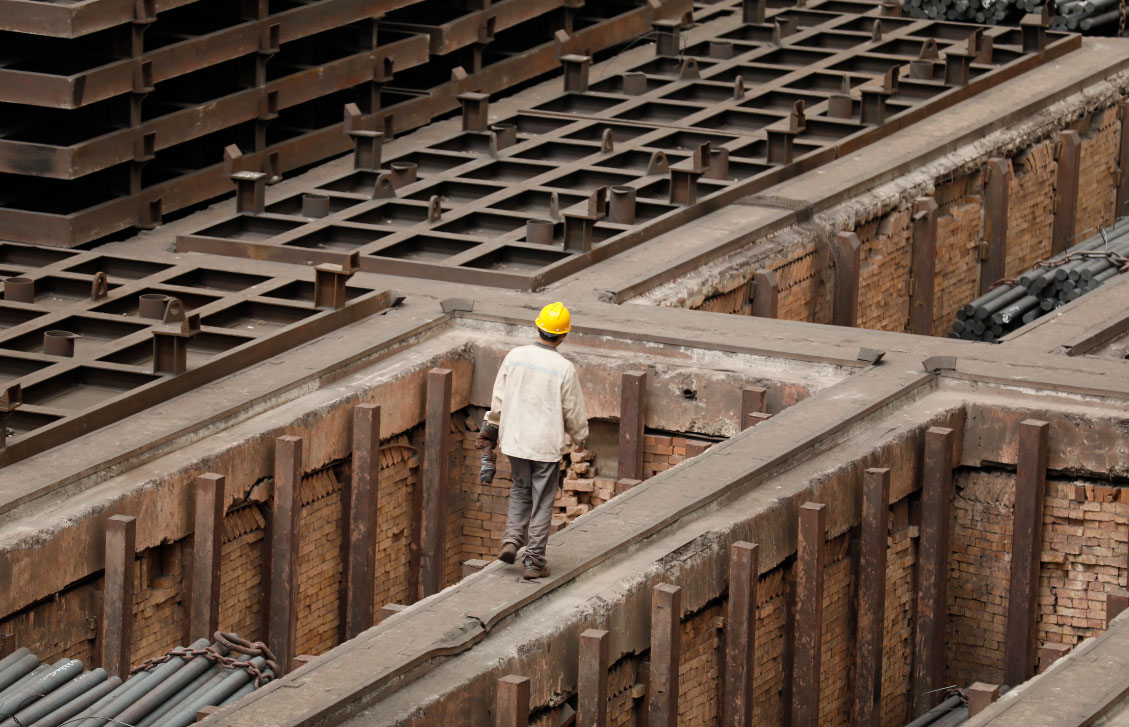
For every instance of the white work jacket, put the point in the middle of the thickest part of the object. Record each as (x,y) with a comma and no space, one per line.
(537,399)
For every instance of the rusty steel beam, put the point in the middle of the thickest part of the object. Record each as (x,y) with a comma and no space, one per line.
(435,481)
(1121,204)
(933,568)
(1026,549)
(1069,158)
(740,636)
(766,294)
(808,607)
(116,635)
(752,402)
(923,260)
(994,259)
(846,301)
(1116,602)
(871,596)
(592,681)
(207,552)
(362,516)
(632,419)
(282,593)
(666,643)
(512,702)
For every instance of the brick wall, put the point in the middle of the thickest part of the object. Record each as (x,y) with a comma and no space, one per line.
(802,278)
(241,577)
(319,562)
(897,644)
(1097,167)
(838,645)
(62,627)
(159,617)
(1030,215)
(1083,557)
(699,667)
(884,259)
(956,277)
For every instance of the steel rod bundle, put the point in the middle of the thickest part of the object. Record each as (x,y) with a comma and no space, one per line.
(1044,288)
(168,691)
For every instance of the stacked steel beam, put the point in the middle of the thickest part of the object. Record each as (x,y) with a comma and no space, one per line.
(113,114)
(1049,285)
(170,692)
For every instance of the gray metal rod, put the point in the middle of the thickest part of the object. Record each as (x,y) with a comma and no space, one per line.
(61,695)
(26,679)
(12,658)
(79,703)
(223,693)
(205,681)
(161,693)
(17,670)
(61,672)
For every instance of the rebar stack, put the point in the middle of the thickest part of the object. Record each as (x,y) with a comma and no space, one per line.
(993,12)
(1087,15)
(169,693)
(1049,285)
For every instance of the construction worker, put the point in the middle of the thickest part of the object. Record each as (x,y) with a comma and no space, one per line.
(536,402)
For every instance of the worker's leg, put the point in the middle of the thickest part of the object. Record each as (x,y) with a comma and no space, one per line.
(546,479)
(521,501)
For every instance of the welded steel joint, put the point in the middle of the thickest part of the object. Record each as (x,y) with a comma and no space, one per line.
(367,141)
(170,345)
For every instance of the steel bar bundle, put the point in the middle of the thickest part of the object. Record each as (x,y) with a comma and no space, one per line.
(115,114)
(1048,286)
(169,694)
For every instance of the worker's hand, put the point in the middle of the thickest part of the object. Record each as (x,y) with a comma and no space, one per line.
(487,437)
(488,469)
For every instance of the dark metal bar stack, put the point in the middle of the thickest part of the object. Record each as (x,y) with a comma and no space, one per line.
(1059,280)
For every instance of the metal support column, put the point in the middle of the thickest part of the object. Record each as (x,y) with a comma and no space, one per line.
(512,709)
(741,636)
(282,606)
(117,594)
(662,689)
(207,547)
(1066,191)
(993,261)
(766,294)
(435,482)
(361,516)
(872,596)
(592,699)
(752,402)
(846,280)
(923,262)
(809,615)
(632,416)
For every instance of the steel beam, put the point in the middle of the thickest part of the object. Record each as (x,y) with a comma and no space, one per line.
(923,260)
(1069,158)
(741,636)
(932,568)
(993,262)
(1121,208)
(1116,601)
(871,596)
(435,482)
(117,595)
(766,294)
(808,608)
(846,307)
(512,708)
(1026,549)
(632,418)
(207,553)
(752,402)
(362,518)
(592,690)
(282,604)
(666,640)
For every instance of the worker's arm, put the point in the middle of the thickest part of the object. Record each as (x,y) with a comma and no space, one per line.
(575,414)
(493,418)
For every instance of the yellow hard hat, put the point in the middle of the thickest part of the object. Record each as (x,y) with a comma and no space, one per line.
(554,319)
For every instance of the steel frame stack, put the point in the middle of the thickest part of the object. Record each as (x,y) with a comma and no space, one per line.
(113,113)
(607,164)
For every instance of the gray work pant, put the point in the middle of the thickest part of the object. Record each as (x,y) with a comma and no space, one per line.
(531,506)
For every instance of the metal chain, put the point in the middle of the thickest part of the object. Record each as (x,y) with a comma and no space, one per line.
(1119,261)
(233,643)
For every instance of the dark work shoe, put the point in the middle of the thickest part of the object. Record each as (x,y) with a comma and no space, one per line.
(532,571)
(509,553)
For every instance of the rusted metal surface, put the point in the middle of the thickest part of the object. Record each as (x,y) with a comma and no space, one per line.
(740,636)
(1122,200)
(435,482)
(592,692)
(1116,602)
(993,260)
(116,635)
(1026,551)
(207,548)
(144,166)
(282,590)
(512,708)
(846,304)
(1068,155)
(666,645)
(808,608)
(923,262)
(766,294)
(687,141)
(113,364)
(362,516)
(752,402)
(632,415)
(871,596)
(933,568)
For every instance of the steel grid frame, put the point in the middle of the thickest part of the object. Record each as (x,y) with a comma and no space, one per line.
(461,206)
(121,356)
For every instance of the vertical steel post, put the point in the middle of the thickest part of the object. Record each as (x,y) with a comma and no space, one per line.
(846,280)
(632,417)
(117,595)
(766,294)
(666,639)
(512,709)
(752,402)
(362,509)
(741,636)
(1122,207)
(933,563)
(1116,601)
(436,482)
(592,699)
(207,547)
(809,615)
(1026,547)
(1066,191)
(282,608)
(993,265)
(872,595)
(923,264)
